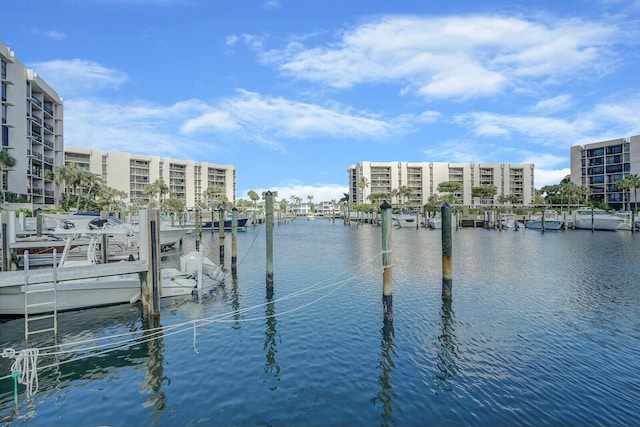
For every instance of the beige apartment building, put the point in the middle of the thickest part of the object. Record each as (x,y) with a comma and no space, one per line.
(601,165)
(422,178)
(32,135)
(187,180)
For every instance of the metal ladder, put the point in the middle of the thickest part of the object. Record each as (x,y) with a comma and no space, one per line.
(44,298)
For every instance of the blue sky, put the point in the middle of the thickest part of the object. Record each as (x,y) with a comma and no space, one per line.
(292,92)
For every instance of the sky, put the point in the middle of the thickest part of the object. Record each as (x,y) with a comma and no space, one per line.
(293,92)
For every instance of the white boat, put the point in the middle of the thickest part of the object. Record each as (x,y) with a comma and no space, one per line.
(511,224)
(435,221)
(549,224)
(407,221)
(99,291)
(169,235)
(311,217)
(596,219)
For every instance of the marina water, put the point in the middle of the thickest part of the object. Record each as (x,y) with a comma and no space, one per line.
(544,329)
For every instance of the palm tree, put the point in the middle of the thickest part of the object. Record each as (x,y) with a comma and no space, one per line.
(625,186)
(363,183)
(311,207)
(212,193)
(6,161)
(254,198)
(634,181)
(405,192)
(89,181)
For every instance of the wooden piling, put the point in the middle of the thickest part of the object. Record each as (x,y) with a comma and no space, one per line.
(5,240)
(221,233)
(198,230)
(39,220)
(269,231)
(447,260)
(234,238)
(149,241)
(387,285)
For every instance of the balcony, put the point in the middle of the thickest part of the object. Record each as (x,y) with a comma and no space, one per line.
(36,136)
(36,101)
(48,110)
(48,127)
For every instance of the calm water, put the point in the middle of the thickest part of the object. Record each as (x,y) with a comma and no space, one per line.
(544,329)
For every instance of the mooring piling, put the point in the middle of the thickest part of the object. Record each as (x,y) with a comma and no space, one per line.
(269,222)
(198,230)
(234,238)
(151,281)
(447,261)
(387,285)
(221,233)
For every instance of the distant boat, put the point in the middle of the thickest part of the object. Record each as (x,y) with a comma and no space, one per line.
(407,221)
(311,217)
(549,224)
(242,224)
(435,221)
(596,219)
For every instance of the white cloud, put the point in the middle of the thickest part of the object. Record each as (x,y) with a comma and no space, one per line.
(218,120)
(271,4)
(429,116)
(78,76)
(553,105)
(55,35)
(147,129)
(549,176)
(263,118)
(451,57)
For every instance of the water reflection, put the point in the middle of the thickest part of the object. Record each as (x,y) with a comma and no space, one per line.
(235,298)
(154,376)
(271,342)
(447,367)
(386,395)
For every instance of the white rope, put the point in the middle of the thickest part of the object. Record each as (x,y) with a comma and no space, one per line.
(155,333)
(26,366)
(194,337)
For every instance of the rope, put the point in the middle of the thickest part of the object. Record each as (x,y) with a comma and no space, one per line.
(28,357)
(24,369)
(194,337)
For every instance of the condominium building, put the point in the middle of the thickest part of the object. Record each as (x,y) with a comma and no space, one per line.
(601,165)
(422,179)
(187,180)
(32,135)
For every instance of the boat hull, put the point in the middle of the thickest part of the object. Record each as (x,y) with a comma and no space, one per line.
(406,221)
(606,224)
(243,223)
(549,224)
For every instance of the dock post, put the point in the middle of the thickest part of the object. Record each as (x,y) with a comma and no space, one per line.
(234,238)
(387,284)
(269,222)
(633,221)
(198,230)
(104,243)
(5,240)
(447,261)
(221,233)
(39,219)
(593,221)
(151,283)
(544,216)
